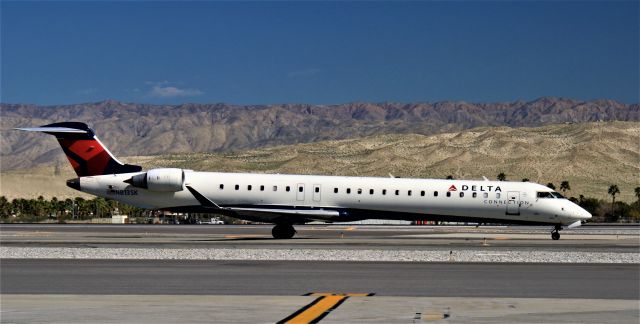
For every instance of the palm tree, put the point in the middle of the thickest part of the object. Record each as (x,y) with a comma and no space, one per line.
(613,191)
(502,176)
(69,208)
(550,185)
(53,207)
(40,208)
(16,207)
(101,207)
(79,209)
(564,186)
(5,208)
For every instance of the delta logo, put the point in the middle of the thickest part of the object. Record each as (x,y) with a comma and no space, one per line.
(453,188)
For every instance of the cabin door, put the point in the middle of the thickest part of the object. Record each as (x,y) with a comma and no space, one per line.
(513,203)
(316,192)
(300,192)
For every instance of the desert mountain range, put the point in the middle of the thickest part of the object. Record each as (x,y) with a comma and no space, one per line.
(144,130)
(591,156)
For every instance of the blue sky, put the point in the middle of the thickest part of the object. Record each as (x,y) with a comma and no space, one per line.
(318,52)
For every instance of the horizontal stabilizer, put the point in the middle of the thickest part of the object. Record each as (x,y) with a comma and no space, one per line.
(53,130)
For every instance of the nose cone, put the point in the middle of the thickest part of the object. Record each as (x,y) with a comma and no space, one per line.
(583,214)
(586,215)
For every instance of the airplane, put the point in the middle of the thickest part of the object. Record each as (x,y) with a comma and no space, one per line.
(287,199)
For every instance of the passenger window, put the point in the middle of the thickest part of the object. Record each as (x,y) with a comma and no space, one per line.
(397,192)
(485,195)
(448,193)
(301,189)
(261,188)
(348,190)
(435,194)
(422,193)
(461,194)
(335,190)
(359,191)
(475,194)
(317,189)
(275,188)
(409,193)
(221,186)
(287,188)
(384,191)
(237,187)
(371,191)
(497,195)
(249,187)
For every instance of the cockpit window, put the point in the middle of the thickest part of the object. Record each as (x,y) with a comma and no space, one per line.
(549,194)
(544,194)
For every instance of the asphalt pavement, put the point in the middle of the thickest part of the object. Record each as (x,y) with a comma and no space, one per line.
(186,277)
(623,239)
(172,289)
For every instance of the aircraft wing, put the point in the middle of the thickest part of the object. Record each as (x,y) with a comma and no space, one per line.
(266,214)
(277,215)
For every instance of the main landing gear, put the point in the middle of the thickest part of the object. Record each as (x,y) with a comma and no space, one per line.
(283,231)
(555,234)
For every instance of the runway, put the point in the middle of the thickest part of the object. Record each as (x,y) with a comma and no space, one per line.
(186,277)
(623,239)
(80,288)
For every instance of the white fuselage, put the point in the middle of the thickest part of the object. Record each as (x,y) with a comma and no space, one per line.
(393,198)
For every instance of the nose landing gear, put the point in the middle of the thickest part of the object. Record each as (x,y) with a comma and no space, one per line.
(555,234)
(283,231)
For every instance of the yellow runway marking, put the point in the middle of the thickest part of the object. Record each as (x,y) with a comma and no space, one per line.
(319,308)
(434,316)
(340,294)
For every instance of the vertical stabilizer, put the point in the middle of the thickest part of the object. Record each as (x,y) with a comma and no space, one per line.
(87,155)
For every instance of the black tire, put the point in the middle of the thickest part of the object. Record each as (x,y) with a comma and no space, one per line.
(555,236)
(283,231)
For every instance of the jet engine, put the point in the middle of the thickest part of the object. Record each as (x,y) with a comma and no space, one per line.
(168,180)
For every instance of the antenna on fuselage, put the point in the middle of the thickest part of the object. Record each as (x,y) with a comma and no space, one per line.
(485,178)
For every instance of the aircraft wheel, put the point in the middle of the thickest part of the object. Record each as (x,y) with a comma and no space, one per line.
(555,235)
(283,231)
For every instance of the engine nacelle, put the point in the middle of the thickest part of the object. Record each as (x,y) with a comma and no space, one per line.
(168,180)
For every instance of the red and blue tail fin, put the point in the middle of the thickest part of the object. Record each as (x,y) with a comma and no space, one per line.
(88,156)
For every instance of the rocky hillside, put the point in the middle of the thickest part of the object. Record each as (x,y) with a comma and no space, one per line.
(591,156)
(139,129)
